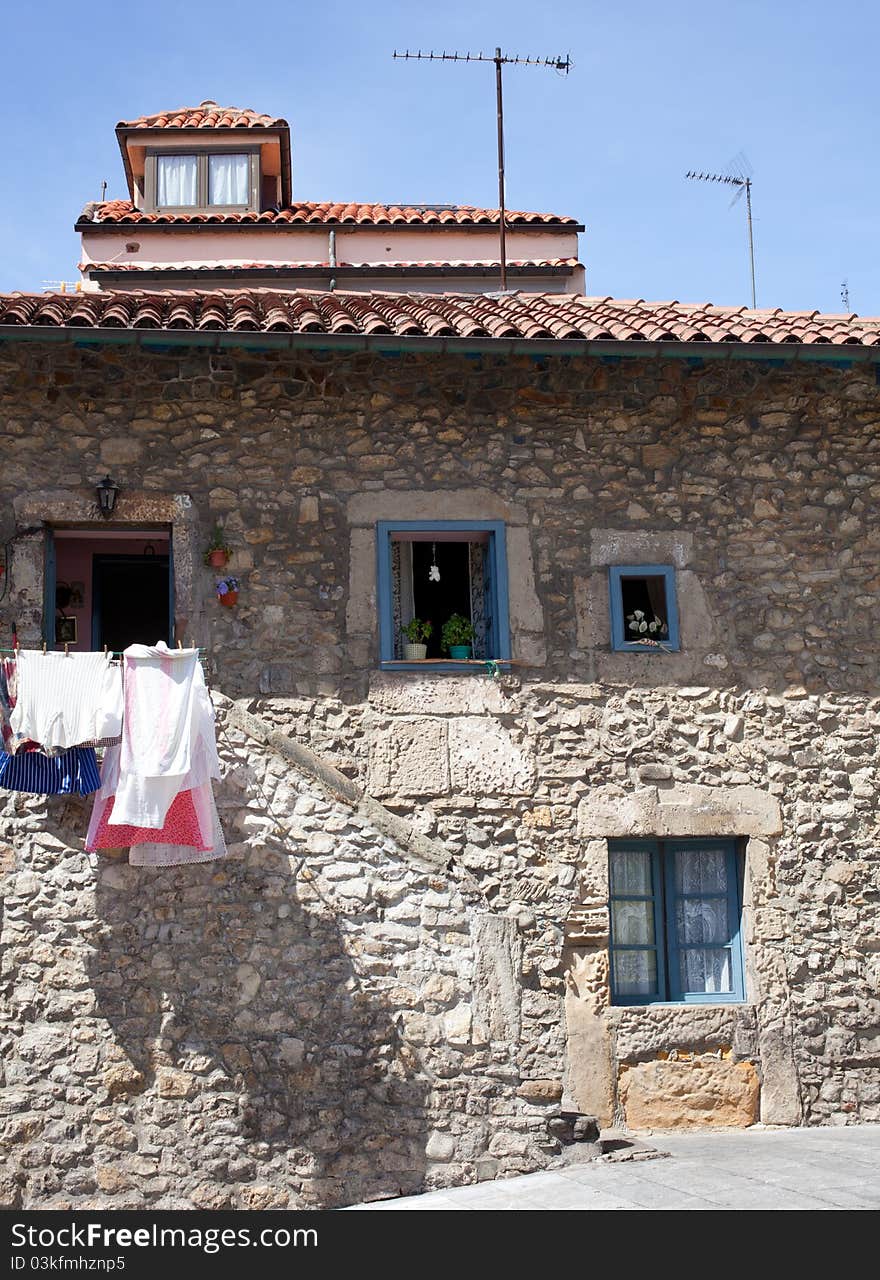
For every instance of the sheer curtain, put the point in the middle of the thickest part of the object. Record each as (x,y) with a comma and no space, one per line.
(177,181)
(228,179)
(701,918)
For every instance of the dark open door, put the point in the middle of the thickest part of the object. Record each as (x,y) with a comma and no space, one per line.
(131,601)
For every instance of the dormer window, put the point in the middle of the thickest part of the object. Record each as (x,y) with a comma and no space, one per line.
(215,179)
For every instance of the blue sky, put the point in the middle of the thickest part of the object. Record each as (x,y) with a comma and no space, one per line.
(656,89)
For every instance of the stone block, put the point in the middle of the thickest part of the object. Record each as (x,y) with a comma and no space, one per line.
(367,507)
(529,648)
(497,992)
(540,1091)
(694,1028)
(360,615)
(260,1197)
(292,1051)
(439,695)
(410,758)
(525,610)
(171,1083)
(122,1077)
(630,546)
(589,1077)
(681,810)
(485,760)
(696,1093)
(440,1146)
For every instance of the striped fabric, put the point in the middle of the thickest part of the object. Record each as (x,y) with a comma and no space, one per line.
(74,773)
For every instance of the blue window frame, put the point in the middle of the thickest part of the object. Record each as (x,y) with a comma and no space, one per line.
(675,908)
(643,608)
(494,619)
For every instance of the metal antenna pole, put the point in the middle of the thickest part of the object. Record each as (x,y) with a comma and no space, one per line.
(557,64)
(502,229)
(743,183)
(751,238)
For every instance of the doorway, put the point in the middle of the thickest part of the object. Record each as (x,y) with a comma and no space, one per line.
(130,601)
(110,587)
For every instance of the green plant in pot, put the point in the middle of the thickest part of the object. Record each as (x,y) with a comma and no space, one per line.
(458,636)
(217,552)
(417,631)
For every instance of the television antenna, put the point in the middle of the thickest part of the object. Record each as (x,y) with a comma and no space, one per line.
(741,178)
(844,295)
(560,64)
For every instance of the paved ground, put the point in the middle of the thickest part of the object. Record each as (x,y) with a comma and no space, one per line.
(756,1169)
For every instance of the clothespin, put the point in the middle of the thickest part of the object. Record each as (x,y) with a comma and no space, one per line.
(44,648)
(66,649)
(180,644)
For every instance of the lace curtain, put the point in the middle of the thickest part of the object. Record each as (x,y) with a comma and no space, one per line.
(703,920)
(177,180)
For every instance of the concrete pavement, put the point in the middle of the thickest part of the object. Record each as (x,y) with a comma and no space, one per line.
(832,1168)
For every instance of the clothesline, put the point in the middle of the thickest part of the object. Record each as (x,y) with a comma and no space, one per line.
(152,712)
(114,653)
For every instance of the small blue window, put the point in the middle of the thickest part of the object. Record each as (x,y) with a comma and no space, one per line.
(644,612)
(675,922)
(434,571)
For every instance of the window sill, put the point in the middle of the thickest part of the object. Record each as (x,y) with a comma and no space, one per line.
(635,647)
(450,666)
(687,1002)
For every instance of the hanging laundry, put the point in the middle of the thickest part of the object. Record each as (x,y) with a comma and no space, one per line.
(181,827)
(65,700)
(75,772)
(155,794)
(7,699)
(168,741)
(170,855)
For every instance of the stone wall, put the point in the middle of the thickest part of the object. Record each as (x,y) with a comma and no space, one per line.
(327,1016)
(760,483)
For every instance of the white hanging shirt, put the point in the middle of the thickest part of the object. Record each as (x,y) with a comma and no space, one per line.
(168,741)
(67,699)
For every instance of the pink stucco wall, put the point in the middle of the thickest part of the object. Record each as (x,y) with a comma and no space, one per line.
(178,245)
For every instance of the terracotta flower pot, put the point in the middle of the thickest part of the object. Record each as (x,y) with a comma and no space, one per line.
(228,599)
(217,559)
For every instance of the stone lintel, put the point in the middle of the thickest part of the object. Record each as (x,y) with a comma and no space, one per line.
(682,810)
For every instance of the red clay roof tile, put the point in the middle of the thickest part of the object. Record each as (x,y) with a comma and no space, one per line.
(312,213)
(207,115)
(217,268)
(561,317)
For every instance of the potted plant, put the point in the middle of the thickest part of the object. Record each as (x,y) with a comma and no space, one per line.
(644,628)
(227,591)
(458,636)
(217,553)
(417,632)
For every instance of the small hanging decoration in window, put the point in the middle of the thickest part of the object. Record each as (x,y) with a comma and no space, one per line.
(433,572)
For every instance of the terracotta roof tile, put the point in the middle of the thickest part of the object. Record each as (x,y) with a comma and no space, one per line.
(312,213)
(212,268)
(547,317)
(207,115)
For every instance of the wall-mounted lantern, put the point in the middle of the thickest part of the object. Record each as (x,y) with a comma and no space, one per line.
(107,492)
